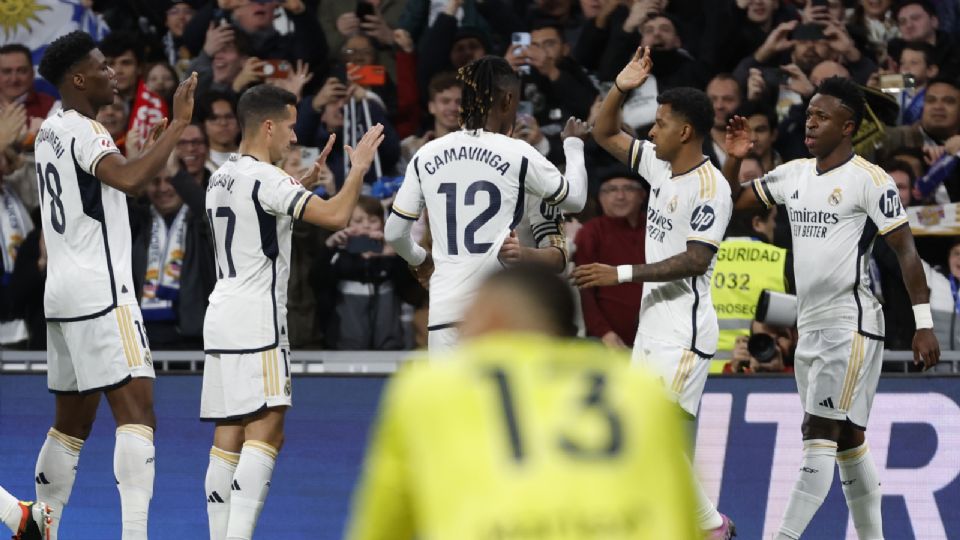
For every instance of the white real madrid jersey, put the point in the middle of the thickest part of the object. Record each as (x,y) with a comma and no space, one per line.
(473,184)
(687,206)
(834,217)
(85,222)
(251,206)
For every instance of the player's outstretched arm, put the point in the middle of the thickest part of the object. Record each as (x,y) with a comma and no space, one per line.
(574,133)
(553,257)
(926,349)
(693,262)
(334,213)
(130,176)
(607,130)
(738,142)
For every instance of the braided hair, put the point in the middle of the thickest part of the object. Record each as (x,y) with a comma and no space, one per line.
(484,81)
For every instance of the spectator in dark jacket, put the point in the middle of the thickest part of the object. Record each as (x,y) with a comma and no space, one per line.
(361,285)
(256,19)
(446,47)
(556,86)
(173,261)
(320,115)
(917,21)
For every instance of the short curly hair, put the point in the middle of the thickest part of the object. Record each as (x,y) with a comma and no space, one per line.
(64,53)
(849,93)
(692,105)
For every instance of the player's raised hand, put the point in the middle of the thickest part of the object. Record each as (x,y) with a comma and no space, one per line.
(595,275)
(636,71)
(926,349)
(310,180)
(362,156)
(183,99)
(575,128)
(739,139)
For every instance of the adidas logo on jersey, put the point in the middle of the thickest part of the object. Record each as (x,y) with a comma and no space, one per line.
(235,486)
(215,498)
(796,195)
(828,403)
(42,479)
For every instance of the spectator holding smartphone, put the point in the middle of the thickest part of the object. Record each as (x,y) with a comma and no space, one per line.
(361,285)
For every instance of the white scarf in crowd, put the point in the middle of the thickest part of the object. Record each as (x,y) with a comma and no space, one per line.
(15,225)
(161,285)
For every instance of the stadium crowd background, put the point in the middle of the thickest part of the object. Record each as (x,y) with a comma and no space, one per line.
(757,58)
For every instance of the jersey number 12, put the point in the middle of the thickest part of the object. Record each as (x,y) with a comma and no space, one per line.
(449,189)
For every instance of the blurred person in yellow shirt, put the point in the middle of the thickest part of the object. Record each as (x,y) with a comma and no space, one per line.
(524,432)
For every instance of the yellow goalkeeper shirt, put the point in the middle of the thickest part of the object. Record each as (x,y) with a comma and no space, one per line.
(520,437)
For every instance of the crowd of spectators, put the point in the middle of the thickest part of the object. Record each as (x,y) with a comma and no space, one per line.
(354,63)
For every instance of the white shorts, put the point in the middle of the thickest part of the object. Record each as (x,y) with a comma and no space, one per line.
(98,354)
(239,385)
(837,373)
(681,370)
(442,339)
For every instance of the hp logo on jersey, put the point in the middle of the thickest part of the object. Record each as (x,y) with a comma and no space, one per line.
(702,218)
(890,204)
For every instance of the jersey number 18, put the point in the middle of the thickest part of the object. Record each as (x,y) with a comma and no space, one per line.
(49,182)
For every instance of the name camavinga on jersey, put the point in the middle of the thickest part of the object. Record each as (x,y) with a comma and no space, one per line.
(473,153)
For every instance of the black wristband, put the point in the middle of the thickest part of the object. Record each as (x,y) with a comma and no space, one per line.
(618,87)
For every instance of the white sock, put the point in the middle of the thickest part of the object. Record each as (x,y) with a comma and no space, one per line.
(10,512)
(861,488)
(220,473)
(133,466)
(707,516)
(816,475)
(250,485)
(55,472)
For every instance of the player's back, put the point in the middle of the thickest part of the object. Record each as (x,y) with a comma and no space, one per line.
(473,184)
(524,433)
(250,205)
(86,227)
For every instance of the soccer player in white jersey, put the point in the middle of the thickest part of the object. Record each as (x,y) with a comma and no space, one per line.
(473,183)
(838,203)
(687,214)
(95,337)
(251,205)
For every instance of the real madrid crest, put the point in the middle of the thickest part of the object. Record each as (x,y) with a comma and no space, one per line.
(672,205)
(835,197)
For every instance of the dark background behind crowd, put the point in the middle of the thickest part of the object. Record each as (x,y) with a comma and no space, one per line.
(354,64)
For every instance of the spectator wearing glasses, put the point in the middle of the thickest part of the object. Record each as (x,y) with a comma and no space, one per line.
(615,237)
(193,153)
(219,116)
(339,20)
(360,50)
